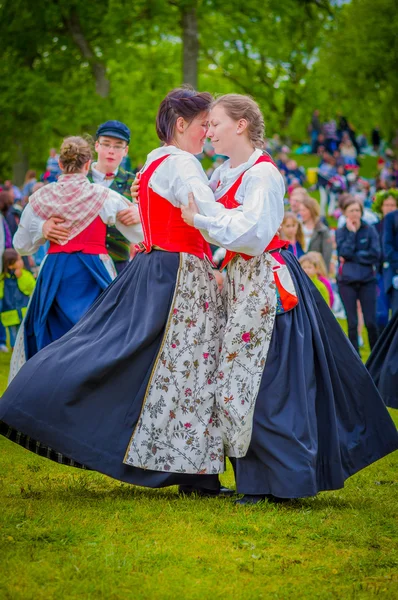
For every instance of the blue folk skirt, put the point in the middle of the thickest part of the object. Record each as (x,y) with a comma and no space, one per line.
(67,286)
(383,363)
(78,400)
(318,417)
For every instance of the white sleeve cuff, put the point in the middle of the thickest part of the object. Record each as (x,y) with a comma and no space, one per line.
(201,222)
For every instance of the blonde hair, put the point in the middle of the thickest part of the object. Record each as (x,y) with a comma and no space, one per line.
(316,259)
(299,234)
(238,107)
(313,207)
(300,190)
(75,152)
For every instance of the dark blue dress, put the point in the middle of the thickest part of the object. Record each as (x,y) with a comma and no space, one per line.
(318,417)
(85,408)
(383,363)
(68,284)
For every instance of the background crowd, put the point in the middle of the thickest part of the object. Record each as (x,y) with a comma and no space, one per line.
(341,226)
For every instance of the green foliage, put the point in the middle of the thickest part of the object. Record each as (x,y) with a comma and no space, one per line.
(67,65)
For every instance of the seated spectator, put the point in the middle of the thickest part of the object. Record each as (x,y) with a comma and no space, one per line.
(359,253)
(294,172)
(348,150)
(316,234)
(281,163)
(293,233)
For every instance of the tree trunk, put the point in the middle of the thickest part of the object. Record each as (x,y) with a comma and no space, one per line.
(20,165)
(102,83)
(190,46)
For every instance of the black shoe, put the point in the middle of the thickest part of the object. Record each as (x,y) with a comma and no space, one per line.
(189,490)
(276,500)
(248,499)
(226,492)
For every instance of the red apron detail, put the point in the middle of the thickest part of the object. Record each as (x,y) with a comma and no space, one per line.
(162,223)
(286,295)
(89,241)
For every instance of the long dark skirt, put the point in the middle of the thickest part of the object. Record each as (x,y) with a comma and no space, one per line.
(79,399)
(68,284)
(383,363)
(318,417)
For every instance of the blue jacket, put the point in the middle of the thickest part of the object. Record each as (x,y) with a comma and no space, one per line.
(361,251)
(390,248)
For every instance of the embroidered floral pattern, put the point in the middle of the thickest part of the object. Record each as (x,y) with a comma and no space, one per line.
(178,429)
(251,307)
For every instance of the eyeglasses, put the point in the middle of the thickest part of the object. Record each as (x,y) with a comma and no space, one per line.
(107,146)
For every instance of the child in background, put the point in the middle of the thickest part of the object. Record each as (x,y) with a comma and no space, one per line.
(322,274)
(310,265)
(293,233)
(16,287)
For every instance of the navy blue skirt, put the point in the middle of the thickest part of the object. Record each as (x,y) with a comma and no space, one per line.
(383,363)
(318,417)
(78,400)
(67,286)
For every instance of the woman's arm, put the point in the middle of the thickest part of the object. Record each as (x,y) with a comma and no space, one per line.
(250,227)
(114,204)
(29,236)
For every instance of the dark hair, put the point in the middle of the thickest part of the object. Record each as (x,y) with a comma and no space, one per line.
(6,200)
(10,256)
(75,152)
(182,102)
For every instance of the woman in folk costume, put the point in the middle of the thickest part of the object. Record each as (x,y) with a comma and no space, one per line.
(382,364)
(129,391)
(298,409)
(77,268)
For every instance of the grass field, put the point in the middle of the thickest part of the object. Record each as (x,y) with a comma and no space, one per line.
(70,534)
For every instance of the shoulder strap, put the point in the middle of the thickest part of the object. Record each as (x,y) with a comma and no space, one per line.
(229,201)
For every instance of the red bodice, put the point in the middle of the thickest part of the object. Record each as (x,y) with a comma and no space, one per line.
(228,200)
(162,222)
(89,241)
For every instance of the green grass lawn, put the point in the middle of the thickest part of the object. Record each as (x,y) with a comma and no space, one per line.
(71,534)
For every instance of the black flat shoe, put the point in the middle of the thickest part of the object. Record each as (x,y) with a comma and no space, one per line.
(248,499)
(189,490)
(276,500)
